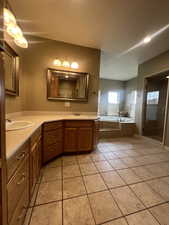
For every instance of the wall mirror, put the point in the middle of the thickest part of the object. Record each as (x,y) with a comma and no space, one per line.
(11,66)
(67,86)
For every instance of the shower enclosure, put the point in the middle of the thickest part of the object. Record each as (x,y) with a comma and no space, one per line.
(155,101)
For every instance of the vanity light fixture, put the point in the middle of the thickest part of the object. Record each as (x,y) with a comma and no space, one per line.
(21,42)
(66,64)
(9,18)
(147,40)
(66,76)
(74,65)
(13,29)
(57,62)
(167,77)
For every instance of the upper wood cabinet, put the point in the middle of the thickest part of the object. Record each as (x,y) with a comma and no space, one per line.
(52,140)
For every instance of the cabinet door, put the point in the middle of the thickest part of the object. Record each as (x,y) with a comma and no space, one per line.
(85,139)
(70,139)
(51,151)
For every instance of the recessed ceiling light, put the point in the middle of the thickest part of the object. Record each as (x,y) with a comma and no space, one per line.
(147,40)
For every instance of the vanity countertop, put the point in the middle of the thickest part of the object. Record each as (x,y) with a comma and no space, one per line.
(15,139)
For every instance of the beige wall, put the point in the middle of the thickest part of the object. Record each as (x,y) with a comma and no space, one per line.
(35,61)
(153,66)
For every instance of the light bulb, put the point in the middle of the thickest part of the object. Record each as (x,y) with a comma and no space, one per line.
(14,31)
(9,18)
(66,64)
(74,65)
(147,40)
(21,42)
(57,62)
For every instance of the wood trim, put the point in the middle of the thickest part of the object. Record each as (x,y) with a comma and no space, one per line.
(3,171)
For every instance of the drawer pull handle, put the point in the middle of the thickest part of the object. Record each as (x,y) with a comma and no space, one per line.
(22,179)
(21,156)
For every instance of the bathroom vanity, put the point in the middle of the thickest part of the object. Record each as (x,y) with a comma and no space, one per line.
(30,148)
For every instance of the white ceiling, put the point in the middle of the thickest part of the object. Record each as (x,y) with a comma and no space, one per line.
(111,25)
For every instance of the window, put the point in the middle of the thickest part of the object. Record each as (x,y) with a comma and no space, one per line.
(153,97)
(113,98)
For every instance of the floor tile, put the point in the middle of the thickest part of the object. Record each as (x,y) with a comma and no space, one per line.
(48,192)
(103,166)
(98,157)
(118,164)
(126,200)
(110,155)
(104,207)
(143,173)
(161,213)
(69,160)
(84,158)
(76,211)
(88,168)
(94,183)
(112,179)
(129,176)
(160,187)
(120,221)
(51,174)
(71,171)
(55,163)
(47,214)
(146,194)
(73,187)
(142,218)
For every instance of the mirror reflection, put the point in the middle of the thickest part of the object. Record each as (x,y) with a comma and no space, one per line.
(66,85)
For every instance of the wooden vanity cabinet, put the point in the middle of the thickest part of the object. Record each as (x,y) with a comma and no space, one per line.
(79,136)
(52,140)
(18,186)
(35,159)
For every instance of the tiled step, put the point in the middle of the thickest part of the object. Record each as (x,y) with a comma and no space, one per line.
(110,133)
(108,124)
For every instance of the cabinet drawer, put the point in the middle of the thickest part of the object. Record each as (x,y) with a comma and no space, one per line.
(16,159)
(21,209)
(52,151)
(52,125)
(79,123)
(16,186)
(36,136)
(51,137)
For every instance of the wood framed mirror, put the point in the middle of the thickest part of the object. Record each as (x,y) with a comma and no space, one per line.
(11,66)
(67,86)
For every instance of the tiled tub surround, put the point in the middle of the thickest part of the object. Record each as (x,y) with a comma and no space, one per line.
(124,182)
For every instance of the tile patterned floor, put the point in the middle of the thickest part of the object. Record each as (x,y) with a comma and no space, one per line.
(124,182)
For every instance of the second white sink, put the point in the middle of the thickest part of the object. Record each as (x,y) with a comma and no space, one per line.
(17,125)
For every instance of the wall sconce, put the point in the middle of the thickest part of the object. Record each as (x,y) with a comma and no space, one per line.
(13,29)
(73,65)
(57,62)
(66,64)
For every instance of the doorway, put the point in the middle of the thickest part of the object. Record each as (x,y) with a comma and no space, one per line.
(155,101)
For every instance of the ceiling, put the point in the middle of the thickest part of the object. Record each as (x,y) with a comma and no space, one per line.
(114,26)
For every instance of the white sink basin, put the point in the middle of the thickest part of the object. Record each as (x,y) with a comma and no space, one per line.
(18,125)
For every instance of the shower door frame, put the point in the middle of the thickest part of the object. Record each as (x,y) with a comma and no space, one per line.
(166,104)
